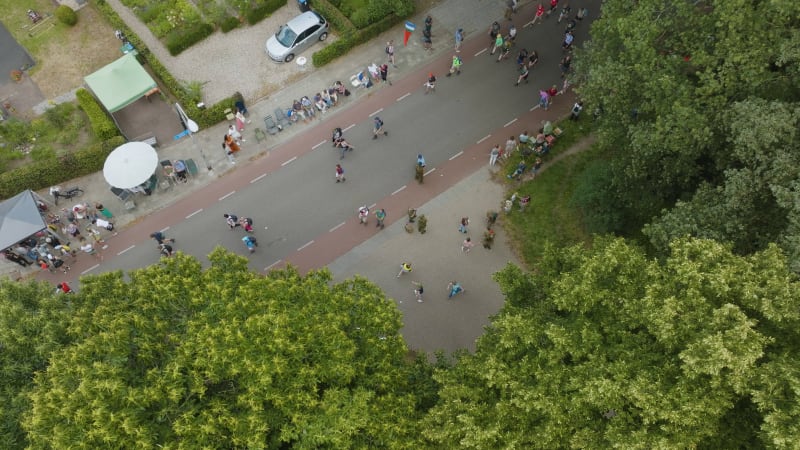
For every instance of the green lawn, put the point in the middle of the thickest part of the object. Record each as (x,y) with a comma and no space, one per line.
(549,217)
(15,18)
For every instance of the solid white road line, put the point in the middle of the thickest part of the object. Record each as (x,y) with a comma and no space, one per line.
(403,96)
(456,155)
(306,245)
(429,172)
(90,269)
(316,146)
(482,51)
(273,264)
(227,195)
(399,190)
(336,227)
(510,122)
(289,161)
(257,178)
(484,138)
(351,126)
(196,212)
(376,112)
(119,253)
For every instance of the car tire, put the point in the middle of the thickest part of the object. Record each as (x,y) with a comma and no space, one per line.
(289,57)
(323,36)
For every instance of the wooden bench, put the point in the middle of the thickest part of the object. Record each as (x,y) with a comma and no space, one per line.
(152,92)
(149,139)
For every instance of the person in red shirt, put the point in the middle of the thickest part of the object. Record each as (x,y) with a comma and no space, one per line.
(553,6)
(64,287)
(538,16)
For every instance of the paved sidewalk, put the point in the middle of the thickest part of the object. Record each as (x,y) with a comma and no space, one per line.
(439,323)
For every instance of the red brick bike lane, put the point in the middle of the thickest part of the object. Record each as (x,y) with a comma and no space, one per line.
(327,247)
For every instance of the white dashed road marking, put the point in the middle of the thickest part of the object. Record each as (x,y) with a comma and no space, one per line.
(510,122)
(257,178)
(404,96)
(119,253)
(399,190)
(289,161)
(376,112)
(429,172)
(90,269)
(196,212)
(227,195)
(484,138)
(316,146)
(336,227)
(305,245)
(456,155)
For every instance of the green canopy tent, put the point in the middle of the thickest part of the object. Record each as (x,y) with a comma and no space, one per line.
(120,83)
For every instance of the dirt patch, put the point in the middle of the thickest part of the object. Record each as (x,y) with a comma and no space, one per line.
(87,46)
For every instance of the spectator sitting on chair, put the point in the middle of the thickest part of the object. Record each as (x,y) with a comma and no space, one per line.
(180,170)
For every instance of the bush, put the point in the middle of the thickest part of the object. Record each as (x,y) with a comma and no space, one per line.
(258,13)
(343,45)
(102,125)
(179,40)
(41,174)
(228,23)
(66,15)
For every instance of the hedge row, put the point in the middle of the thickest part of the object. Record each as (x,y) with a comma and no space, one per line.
(228,23)
(349,36)
(51,171)
(205,117)
(264,10)
(179,39)
(102,125)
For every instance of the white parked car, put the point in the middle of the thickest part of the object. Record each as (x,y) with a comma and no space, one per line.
(296,36)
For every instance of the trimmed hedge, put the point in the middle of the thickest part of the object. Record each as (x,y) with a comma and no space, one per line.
(41,174)
(179,40)
(228,24)
(102,125)
(264,10)
(351,38)
(66,15)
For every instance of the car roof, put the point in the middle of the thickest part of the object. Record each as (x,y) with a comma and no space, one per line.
(305,21)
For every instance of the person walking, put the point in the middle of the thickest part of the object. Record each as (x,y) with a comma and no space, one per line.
(380,216)
(494,31)
(462,226)
(418,290)
(454,288)
(89,249)
(430,85)
(240,119)
(568,38)
(511,145)
(564,65)
(467,245)
(459,36)
(544,99)
(232,220)
(235,134)
(339,173)
(427,42)
(455,66)
(404,268)
(523,74)
(250,242)
(390,53)
(384,69)
(498,43)
(553,7)
(377,128)
(537,17)
(494,153)
(363,215)
(165,250)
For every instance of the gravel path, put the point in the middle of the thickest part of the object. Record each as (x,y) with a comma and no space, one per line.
(229,62)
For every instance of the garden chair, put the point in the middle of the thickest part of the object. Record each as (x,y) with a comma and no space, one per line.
(191,167)
(229,114)
(272,127)
(280,116)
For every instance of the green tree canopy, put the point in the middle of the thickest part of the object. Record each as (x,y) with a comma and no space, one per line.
(181,357)
(33,324)
(605,348)
(665,76)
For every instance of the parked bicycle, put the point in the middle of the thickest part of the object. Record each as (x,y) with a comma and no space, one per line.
(73,192)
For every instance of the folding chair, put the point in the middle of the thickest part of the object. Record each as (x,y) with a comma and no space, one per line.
(229,114)
(191,167)
(124,196)
(280,116)
(272,127)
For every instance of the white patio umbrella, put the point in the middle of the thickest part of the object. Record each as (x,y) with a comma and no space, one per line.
(130,164)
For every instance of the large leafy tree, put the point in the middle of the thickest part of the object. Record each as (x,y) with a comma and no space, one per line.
(181,357)
(605,348)
(757,201)
(33,324)
(664,75)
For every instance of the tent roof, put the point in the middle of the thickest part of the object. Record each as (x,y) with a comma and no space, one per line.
(19,218)
(120,83)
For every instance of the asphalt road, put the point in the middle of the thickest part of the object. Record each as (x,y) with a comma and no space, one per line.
(297,200)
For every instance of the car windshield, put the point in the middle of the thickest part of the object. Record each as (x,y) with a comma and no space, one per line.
(286,36)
